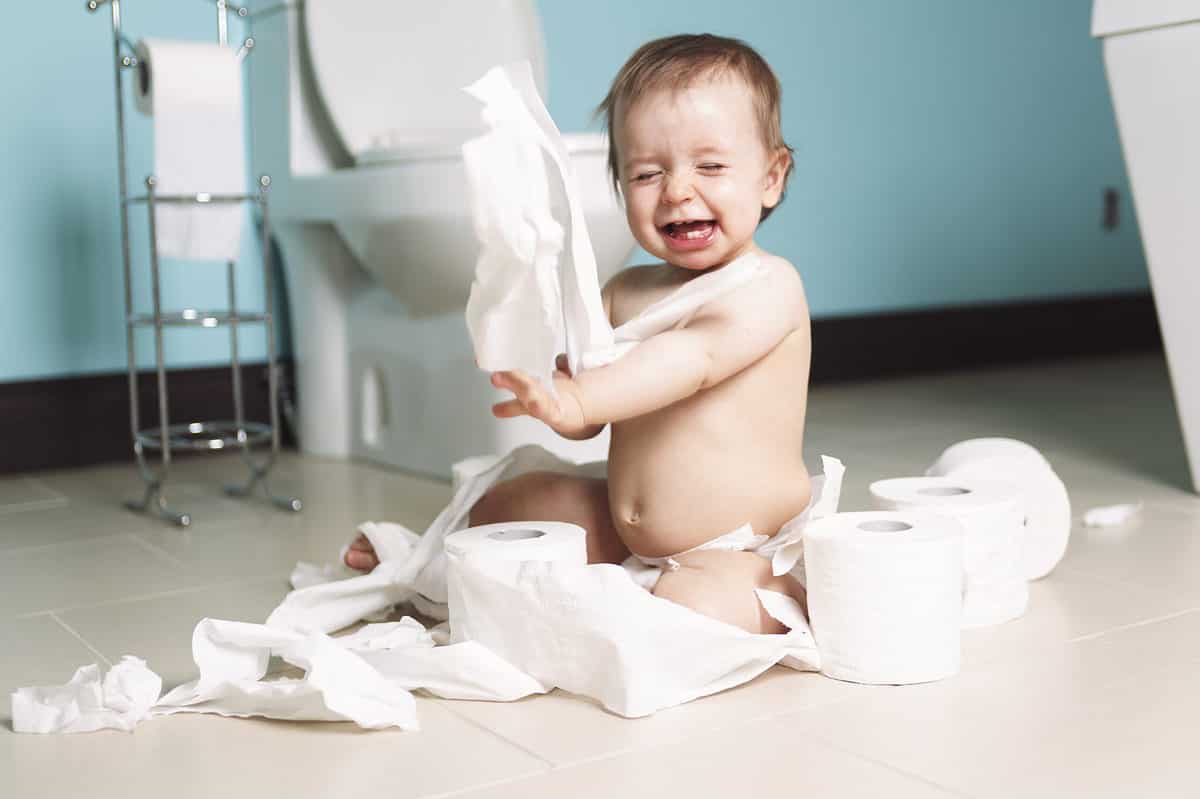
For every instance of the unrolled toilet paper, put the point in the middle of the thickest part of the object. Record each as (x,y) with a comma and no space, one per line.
(193,92)
(885,595)
(992,517)
(553,542)
(1047,505)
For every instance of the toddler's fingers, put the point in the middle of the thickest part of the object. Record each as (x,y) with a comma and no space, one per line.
(508,409)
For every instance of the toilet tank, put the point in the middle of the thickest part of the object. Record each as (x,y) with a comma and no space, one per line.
(331,79)
(1111,17)
(391,72)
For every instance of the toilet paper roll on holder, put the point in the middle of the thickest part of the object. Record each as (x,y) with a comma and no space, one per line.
(199,435)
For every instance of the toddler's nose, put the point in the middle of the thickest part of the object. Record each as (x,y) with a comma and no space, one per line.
(677,189)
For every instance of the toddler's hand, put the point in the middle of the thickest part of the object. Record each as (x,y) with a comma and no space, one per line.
(564,415)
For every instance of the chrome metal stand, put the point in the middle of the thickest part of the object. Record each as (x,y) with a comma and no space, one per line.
(204,435)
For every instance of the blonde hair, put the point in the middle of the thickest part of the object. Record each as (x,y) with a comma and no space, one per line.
(678,62)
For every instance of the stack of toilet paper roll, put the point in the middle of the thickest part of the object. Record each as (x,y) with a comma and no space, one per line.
(1047,505)
(1014,511)
(885,595)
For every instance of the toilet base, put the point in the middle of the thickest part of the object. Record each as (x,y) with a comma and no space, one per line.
(417,400)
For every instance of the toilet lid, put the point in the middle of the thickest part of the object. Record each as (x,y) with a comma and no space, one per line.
(397,67)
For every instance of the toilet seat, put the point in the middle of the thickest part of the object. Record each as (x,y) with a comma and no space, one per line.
(398,66)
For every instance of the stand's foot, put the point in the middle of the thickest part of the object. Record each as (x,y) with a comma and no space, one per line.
(155,504)
(291,504)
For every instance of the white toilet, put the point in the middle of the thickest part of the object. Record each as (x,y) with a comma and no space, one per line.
(357,114)
(1152,56)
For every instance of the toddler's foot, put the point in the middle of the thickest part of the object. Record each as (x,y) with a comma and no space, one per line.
(361,555)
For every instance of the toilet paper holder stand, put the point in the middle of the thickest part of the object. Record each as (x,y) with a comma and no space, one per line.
(201,435)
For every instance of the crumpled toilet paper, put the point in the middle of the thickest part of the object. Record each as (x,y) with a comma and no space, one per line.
(1111,515)
(232,658)
(85,704)
(532,298)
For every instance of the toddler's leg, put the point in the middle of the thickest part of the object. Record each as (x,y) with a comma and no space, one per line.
(536,496)
(721,585)
(547,496)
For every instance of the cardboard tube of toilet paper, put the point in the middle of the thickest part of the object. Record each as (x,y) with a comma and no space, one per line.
(1047,504)
(885,595)
(557,542)
(992,517)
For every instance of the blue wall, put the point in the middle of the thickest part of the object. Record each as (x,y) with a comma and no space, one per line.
(948,152)
(61,286)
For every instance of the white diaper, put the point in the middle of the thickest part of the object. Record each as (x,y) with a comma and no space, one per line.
(646,571)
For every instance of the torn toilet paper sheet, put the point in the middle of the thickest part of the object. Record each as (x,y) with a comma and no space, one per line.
(533,297)
(1111,515)
(412,567)
(592,631)
(85,704)
(232,658)
(523,309)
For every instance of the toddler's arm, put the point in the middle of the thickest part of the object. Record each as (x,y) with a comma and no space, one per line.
(722,339)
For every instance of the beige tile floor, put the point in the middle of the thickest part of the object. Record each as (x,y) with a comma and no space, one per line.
(1092,693)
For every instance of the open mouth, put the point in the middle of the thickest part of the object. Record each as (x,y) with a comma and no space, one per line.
(690,230)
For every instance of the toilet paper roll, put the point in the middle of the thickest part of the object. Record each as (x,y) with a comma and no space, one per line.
(556,542)
(974,449)
(992,516)
(885,595)
(193,92)
(1047,504)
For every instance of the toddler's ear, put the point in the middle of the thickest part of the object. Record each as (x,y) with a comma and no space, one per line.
(776,177)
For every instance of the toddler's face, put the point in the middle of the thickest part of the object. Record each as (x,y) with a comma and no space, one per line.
(695,173)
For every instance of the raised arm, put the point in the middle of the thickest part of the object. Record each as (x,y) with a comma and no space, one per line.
(722,339)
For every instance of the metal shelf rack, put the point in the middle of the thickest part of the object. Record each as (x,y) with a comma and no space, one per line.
(200,435)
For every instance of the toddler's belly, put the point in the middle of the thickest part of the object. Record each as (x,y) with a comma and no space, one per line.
(668,496)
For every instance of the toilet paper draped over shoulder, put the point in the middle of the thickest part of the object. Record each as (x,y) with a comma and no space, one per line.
(536,291)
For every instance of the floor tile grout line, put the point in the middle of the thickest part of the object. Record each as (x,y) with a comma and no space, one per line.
(1116,582)
(45,487)
(86,540)
(81,639)
(483,786)
(888,766)
(1132,625)
(446,704)
(153,595)
(157,550)
(16,508)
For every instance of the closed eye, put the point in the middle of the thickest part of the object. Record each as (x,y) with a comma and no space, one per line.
(642,177)
(712,169)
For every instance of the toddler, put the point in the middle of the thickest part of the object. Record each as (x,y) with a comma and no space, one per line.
(707,418)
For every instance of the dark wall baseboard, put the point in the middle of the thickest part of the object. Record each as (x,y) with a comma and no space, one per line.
(75,421)
(882,345)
